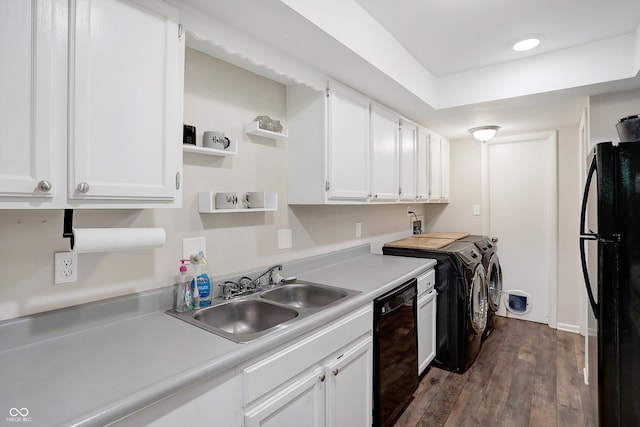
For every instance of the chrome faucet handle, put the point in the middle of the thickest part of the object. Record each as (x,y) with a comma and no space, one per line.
(229,289)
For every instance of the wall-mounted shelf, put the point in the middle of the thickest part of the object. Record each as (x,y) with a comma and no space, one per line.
(253,129)
(231,151)
(207,204)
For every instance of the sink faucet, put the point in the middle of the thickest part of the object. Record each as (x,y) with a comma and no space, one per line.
(269,274)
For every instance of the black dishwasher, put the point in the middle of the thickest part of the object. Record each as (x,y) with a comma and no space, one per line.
(395,360)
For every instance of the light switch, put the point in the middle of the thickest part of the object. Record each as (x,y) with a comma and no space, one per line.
(193,246)
(476,210)
(285,238)
(358,229)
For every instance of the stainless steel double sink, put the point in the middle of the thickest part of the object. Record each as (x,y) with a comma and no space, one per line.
(243,319)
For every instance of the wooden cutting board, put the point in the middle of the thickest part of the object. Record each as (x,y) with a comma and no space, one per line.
(445,235)
(419,242)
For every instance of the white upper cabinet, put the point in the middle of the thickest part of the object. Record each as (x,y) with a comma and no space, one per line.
(439,168)
(422,165)
(92,115)
(444,168)
(344,149)
(384,154)
(27,102)
(125,109)
(408,161)
(328,145)
(348,144)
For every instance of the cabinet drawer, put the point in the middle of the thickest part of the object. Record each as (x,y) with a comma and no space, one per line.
(426,281)
(269,373)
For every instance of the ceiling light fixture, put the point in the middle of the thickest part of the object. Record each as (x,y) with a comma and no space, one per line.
(526,44)
(484,133)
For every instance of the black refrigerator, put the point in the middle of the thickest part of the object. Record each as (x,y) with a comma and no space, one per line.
(610,256)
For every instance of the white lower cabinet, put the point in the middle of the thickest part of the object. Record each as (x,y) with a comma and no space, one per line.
(323,380)
(426,322)
(211,403)
(349,387)
(300,404)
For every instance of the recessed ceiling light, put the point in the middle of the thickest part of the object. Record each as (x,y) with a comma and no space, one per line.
(526,44)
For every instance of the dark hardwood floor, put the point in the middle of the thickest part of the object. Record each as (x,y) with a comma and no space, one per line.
(526,374)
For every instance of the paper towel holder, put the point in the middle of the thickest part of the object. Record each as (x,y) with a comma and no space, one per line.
(67,229)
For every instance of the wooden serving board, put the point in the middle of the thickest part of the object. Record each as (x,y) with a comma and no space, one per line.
(418,242)
(444,235)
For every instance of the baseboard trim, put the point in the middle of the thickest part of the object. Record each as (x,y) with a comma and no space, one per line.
(568,328)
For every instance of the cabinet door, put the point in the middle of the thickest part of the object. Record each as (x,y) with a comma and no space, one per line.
(408,162)
(435,159)
(27,83)
(444,168)
(384,154)
(300,404)
(422,165)
(349,387)
(426,328)
(125,93)
(348,144)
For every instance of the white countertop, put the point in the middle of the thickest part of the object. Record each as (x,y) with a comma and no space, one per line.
(97,375)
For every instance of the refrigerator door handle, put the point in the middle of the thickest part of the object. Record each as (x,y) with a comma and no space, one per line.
(586,236)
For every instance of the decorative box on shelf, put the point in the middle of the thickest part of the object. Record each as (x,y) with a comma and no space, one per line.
(254,128)
(207,203)
(232,150)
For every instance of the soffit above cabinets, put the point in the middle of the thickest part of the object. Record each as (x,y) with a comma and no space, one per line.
(422,58)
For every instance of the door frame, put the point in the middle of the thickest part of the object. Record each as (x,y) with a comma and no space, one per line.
(552,173)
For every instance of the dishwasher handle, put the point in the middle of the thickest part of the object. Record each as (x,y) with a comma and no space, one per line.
(396,302)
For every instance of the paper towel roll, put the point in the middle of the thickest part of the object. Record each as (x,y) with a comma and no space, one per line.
(117,239)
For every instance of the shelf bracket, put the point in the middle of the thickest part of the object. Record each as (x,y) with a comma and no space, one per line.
(67,230)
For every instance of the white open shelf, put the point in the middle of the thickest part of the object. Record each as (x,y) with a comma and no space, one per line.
(231,151)
(253,129)
(207,204)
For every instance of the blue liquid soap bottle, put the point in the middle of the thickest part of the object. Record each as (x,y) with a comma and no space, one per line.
(184,298)
(202,280)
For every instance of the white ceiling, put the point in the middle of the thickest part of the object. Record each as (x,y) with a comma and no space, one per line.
(449,63)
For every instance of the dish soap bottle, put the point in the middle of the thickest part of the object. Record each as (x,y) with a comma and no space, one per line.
(184,299)
(202,280)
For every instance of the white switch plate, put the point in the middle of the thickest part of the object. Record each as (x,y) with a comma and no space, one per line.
(193,246)
(476,210)
(65,267)
(358,229)
(285,238)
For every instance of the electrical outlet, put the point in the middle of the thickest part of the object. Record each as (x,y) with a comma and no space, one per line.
(358,229)
(65,267)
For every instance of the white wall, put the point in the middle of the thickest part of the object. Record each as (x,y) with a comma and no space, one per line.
(607,109)
(466,190)
(218,96)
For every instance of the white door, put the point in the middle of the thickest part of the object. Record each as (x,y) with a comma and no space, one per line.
(300,404)
(27,108)
(349,387)
(126,64)
(348,144)
(520,189)
(408,161)
(384,154)
(422,165)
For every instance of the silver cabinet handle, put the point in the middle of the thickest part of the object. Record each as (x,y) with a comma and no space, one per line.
(44,186)
(375,196)
(83,187)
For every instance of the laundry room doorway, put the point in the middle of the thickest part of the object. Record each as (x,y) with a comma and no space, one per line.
(519,194)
